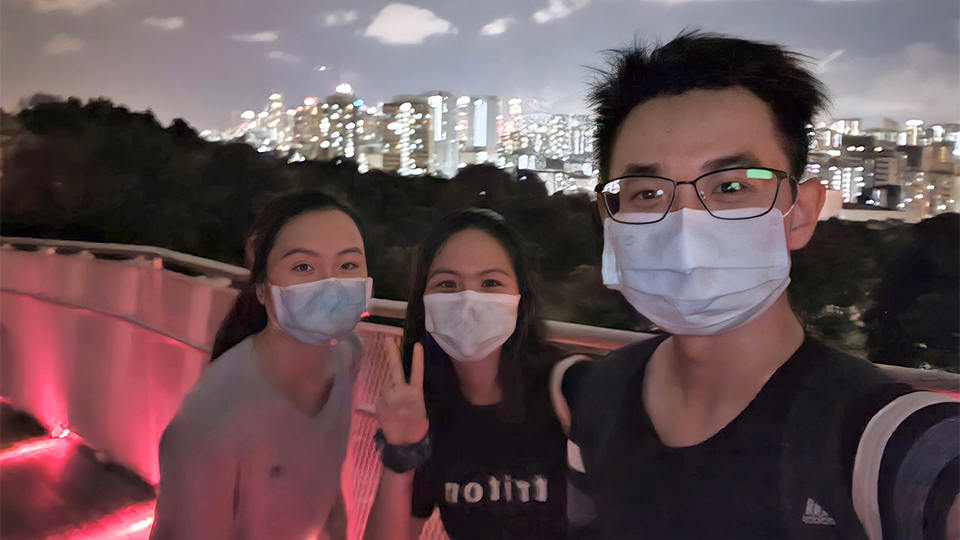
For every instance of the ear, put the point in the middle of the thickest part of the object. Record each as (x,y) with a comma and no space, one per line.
(261,293)
(802,220)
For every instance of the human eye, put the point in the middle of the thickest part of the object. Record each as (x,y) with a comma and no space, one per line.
(731,187)
(491,283)
(643,193)
(349,266)
(448,284)
(648,194)
(302,267)
(737,182)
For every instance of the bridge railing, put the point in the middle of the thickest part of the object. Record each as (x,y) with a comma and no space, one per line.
(106,339)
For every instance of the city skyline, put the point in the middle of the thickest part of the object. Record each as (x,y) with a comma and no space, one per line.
(910,168)
(207,63)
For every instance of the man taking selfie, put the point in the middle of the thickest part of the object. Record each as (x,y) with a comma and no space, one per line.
(734,423)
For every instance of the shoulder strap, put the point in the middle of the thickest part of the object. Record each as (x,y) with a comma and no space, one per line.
(560,406)
(873,442)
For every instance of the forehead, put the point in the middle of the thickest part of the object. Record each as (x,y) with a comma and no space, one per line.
(682,131)
(324,231)
(471,250)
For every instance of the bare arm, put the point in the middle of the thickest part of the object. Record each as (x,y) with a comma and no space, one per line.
(336,526)
(390,517)
(402,416)
(197,483)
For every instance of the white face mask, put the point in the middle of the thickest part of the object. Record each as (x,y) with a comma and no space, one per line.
(322,310)
(470,325)
(694,274)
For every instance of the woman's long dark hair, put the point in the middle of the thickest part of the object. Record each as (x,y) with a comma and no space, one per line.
(524,357)
(248,315)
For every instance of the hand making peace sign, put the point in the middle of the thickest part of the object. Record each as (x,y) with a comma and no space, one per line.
(400,411)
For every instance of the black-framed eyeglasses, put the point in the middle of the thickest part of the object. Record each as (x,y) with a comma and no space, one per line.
(732,194)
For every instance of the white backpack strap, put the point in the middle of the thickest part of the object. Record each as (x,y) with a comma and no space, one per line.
(560,406)
(866,467)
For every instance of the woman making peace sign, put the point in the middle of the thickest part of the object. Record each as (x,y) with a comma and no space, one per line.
(494,460)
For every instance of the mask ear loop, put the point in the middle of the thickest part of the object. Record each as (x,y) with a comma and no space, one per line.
(794,204)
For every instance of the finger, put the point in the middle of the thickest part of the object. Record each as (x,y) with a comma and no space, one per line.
(416,373)
(394,365)
(369,410)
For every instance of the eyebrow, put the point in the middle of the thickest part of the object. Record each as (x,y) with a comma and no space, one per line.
(356,250)
(305,251)
(743,159)
(454,273)
(642,169)
(312,253)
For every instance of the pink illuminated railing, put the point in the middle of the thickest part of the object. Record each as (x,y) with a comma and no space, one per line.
(105,340)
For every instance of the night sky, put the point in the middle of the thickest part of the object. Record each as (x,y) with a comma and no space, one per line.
(205,60)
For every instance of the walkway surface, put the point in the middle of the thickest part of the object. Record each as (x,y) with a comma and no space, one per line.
(54,487)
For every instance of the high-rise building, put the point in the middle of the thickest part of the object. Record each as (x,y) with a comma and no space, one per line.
(477,128)
(408,137)
(443,123)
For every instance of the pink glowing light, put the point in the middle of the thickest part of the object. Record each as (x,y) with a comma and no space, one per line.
(130,523)
(35,449)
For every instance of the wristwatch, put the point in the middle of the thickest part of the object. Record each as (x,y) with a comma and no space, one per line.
(401,458)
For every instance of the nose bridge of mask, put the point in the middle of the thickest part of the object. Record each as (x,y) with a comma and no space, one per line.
(688,239)
(331,294)
(464,307)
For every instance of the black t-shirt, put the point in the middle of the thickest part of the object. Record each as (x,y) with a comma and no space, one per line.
(493,479)
(730,486)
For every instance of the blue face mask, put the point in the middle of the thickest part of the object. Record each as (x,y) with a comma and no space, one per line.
(319,311)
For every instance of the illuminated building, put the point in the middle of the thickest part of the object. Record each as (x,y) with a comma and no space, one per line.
(477,128)
(408,137)
(559,147)
(443,124)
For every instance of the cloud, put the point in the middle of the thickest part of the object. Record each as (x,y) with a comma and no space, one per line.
(558,9)
(74,7)
(498,26)
(259,37)
(403,24)
(62,44)
(169,23)
(284,57)
(339,18)
(918,82)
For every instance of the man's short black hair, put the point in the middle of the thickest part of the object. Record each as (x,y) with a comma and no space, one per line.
(702,61)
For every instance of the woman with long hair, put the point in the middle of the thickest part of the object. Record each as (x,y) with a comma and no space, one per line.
(466,422)
(256,449)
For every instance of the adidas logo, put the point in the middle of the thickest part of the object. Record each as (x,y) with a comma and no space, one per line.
(816,515)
